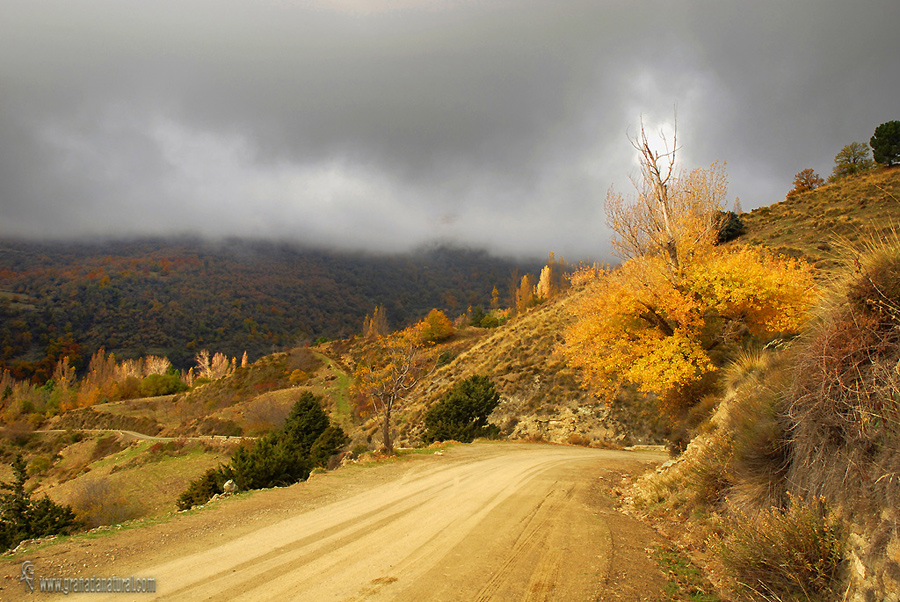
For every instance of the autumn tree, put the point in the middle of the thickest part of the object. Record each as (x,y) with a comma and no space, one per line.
(376,325)
(435,327)
(654,321)
(495,299)
(805,181)
(552,280)
(214,367)
(526,295)
(393,365)
(852,159)
(885,143)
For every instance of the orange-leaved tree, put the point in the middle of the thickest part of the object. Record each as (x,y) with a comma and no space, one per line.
(653,321)
(805,181)
(391,367)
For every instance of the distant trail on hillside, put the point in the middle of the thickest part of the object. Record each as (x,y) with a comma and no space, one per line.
(481,522)
(144,437)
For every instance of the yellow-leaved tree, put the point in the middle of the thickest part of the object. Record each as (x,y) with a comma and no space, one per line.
(391,367)
(653,321)
(435,327)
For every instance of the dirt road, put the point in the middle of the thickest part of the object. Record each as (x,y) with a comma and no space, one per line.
(482,522)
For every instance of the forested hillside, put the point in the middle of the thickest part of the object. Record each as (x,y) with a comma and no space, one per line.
(173,298)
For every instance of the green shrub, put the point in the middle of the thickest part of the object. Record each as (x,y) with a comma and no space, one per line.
(202,489)
(445,358)
(282,457)
(156,385)
(463,412)
(327,445)
(731,226)
(23,518)
(271,462)
(306,422)
(791,554)
(489,322)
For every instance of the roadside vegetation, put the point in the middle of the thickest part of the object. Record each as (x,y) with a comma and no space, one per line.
(787,488)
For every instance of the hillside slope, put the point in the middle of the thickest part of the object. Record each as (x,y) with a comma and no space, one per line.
(541,397)
(809,224)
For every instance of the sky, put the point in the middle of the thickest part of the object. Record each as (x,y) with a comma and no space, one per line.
(386,125)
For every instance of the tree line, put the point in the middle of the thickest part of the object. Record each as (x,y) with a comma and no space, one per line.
(174,298)
(856,158)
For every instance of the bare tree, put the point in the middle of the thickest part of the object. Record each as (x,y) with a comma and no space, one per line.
(394,366)
(673,214)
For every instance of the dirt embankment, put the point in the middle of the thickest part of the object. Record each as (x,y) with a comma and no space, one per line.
(481,522)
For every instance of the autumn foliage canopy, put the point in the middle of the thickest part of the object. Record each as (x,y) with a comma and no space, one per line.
(654,321)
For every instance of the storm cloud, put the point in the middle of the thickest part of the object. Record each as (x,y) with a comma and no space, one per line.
(388,124)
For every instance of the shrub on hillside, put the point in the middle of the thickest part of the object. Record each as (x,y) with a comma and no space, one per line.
(307,439)
(202,489)
(22,517)
(730,226)
(155,385)
(805,181)
(852,159)
(272,461)
(885,143)
(463,412)
(327,445)
(97,502)
(843,403)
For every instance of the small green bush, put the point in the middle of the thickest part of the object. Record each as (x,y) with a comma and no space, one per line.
(327,445)
(202,489)
(445,358)
(463,412)
(489,322)
(156,385)
(271,462)
(730,226)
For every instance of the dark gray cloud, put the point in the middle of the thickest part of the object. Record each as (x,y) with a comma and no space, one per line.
(384,124)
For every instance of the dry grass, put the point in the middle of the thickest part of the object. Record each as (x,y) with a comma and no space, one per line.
(134,482)
(807,224)
(791,554)
(845,401)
